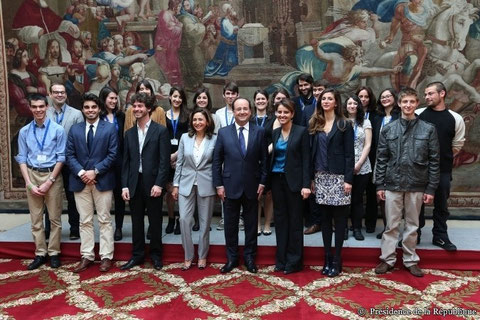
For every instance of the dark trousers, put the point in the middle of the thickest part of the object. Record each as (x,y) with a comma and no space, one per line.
(440,208)
(339,216)
(139,203)
(250,221)
(357,212)
(287,206)
(117,196)
(73,215)
(371,207)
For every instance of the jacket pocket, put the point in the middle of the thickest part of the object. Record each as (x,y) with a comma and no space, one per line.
(419,151)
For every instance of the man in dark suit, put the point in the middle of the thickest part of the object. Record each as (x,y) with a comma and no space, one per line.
(91,153)
(146,162)
(239,174)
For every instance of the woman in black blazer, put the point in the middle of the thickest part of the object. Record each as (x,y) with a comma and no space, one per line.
(290,179)
(387,111)
(333,162)
(110,113)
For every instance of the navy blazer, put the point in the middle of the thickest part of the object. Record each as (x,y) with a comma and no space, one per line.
(376,120)
(102,156)
(297,162)
(340,151)
(155,158)
(307,114)
(239,174)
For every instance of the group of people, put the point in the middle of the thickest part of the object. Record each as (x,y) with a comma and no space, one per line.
(309,160)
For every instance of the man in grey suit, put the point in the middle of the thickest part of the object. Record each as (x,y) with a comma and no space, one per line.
(66,116)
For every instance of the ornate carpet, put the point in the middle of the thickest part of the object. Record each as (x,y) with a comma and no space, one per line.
(144,293)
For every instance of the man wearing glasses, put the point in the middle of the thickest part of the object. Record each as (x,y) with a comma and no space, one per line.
(66,116)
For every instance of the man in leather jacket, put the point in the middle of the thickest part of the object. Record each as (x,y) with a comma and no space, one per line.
(407,175)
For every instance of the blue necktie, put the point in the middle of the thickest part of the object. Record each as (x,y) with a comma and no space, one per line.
(90,138)
(241,140)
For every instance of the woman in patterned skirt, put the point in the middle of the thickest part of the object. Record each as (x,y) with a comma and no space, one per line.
(332,162)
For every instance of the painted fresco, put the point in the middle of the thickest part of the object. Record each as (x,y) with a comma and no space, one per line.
(87,44)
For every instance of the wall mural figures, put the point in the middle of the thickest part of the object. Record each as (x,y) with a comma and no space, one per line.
(87,44)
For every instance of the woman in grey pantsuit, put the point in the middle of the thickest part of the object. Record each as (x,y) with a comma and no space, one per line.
(193,184)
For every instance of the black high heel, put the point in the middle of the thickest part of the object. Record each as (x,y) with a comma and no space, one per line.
(336,268)
(327,264)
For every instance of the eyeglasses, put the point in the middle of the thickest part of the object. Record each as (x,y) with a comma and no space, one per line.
(386,97)
(58,92)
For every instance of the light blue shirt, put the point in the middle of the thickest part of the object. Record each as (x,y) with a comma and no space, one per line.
(40,148)
(280,155)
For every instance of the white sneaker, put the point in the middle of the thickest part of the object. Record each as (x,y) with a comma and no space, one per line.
(220,225)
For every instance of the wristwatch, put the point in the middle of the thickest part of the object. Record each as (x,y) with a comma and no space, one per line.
(51,179)
(96,171)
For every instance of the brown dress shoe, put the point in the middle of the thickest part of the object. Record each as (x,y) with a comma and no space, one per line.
(383,268)
(415,270)
(83,265)
(105,265)
(314,228)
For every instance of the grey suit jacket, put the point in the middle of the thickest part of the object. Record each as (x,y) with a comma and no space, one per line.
(186,171)
(71,117)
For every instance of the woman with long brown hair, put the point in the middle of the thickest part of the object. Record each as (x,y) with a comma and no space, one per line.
(332,162)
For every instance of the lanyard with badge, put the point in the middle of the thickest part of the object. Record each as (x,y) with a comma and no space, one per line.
(263,121)
(174,141)
(41,157)
(59,121)
(226,117)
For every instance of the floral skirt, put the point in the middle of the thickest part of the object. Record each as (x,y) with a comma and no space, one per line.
(330,189)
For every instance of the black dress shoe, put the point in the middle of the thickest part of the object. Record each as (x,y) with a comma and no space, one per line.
(335,269)
(327,265)
(345,236)
(117,236)
(54,261)
(279,269)
(229,266)
(37,262)
(251,267)
(177,226)
(74,234)
(291,270)
(196,226)
(157,264)
(370,229)
(357,234)
(131,263)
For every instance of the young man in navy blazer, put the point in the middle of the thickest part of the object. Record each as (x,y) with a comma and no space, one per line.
(239,174)
(91,152)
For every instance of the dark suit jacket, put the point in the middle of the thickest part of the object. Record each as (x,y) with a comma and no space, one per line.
(297,162)
(297,118)
(340,152)
(240,174)
(376,120)
(155,158)
(307,114)
(102,156)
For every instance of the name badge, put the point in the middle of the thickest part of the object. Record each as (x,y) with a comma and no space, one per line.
(174,142)
(41,157)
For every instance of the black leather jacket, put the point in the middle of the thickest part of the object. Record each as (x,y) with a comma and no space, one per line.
(408,157)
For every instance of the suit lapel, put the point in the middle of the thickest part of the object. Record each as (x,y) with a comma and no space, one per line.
(149,134)
(205,149)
